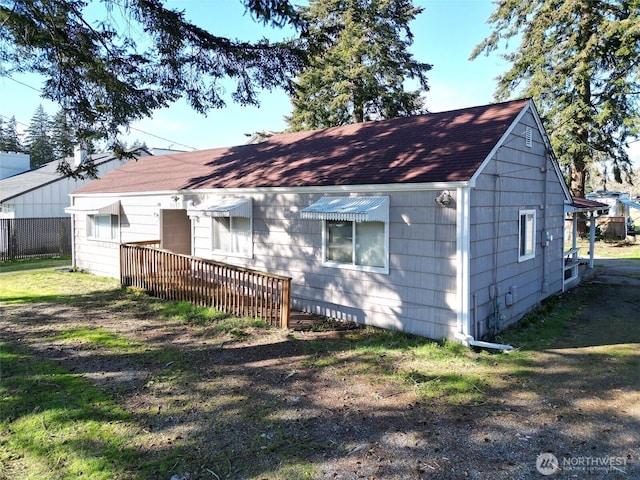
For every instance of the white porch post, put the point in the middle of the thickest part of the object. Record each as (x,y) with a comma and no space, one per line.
(592,237)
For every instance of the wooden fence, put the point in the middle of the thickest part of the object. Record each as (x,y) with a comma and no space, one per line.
(235,290)
(34,237)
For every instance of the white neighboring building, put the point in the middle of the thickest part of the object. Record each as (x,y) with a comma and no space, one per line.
(42,192)
(12,163)
(32,217)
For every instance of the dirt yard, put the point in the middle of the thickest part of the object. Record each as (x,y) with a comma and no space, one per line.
(254,406)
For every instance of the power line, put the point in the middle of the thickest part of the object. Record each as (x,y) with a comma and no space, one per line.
(14,118)
(21,83)
(130,127)
(161,138)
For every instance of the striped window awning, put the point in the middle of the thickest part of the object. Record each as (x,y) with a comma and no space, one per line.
(230,208)
(104,208)
(356,209)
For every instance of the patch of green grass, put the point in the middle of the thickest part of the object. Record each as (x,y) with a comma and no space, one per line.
(292,471)
(546,323)
(32,263)
(191,314)
(611,249)
(55,425)
(97,336)
(455,386)
(51,286)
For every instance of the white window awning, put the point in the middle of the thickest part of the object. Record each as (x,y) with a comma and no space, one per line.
(105,208)
(230,208)
(356,209)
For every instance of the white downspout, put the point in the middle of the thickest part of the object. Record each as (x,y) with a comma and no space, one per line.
(463,276)
(74,265)
(463,245)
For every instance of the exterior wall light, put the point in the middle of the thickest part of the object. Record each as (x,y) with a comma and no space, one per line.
(444,199)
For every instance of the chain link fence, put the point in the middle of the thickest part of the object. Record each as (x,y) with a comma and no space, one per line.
(34,237)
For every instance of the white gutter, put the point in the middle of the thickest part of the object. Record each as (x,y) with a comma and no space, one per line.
(327,189)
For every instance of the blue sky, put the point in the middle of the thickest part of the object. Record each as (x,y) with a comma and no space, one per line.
(445,34)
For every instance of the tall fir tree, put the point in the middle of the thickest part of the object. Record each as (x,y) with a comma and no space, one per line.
(62,136)
(358,63)
(9,136)
(105,76)
(39,138)
(578,60)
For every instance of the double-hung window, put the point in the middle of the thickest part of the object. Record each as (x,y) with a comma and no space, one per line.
(102,219)
(355,231)
(527,235)
(103,227)
(355,243)
(231,223)
(232,235)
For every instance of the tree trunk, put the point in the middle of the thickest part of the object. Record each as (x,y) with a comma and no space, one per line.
(578,177)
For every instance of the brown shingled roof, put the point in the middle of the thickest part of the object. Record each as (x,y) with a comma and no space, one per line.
(586,204)
(436,147)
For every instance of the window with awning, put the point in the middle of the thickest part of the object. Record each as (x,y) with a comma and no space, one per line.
(355,231)
(103,219)
(231,225)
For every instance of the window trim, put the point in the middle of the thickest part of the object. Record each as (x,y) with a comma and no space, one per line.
(230,253)
(530,235)
(353,265)
(114,227)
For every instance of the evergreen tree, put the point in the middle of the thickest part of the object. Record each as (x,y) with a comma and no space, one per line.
(578,60)
(39,139)
(62,136)
(9,136)
(105,76)
(358,62)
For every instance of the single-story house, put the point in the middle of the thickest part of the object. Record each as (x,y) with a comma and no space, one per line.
(447,225)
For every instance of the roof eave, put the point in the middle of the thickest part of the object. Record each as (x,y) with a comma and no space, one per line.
(322,189)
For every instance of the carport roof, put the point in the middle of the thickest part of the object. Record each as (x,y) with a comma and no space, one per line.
(585,205)
(438,147)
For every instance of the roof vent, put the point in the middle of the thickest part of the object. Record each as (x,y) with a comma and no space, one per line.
(528,137)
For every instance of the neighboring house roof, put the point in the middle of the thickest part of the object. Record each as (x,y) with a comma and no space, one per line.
(25,182)
(438,147)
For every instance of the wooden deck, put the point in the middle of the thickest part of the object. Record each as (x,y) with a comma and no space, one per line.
(235,290)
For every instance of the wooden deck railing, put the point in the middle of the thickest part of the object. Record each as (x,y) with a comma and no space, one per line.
(235,290)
